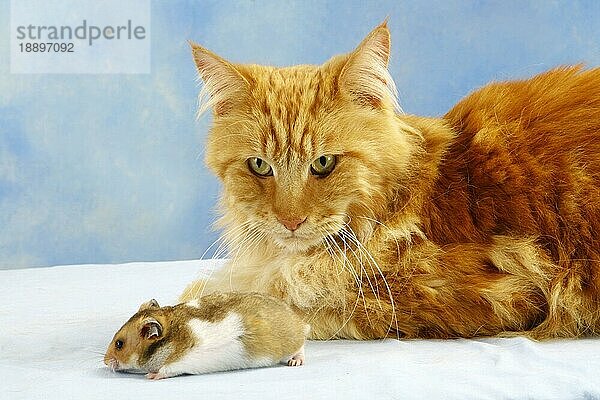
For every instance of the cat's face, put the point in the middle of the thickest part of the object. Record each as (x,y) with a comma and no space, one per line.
(303,152)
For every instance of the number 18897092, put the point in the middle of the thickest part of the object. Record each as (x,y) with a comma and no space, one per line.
(47,47)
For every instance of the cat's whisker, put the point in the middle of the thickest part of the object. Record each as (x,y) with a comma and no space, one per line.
(362,271)
(254,239)
(342,259)
(345,263)
(328,239)
(348,265)
(228,237)
(358,297)
(362,250)
(358,256)
(248,237)
(394,319)
(364,274)
(220,241)
(351,315)
(386,227)
(343,268)
(325,242)
(231,237)
(253,235)
(407,277)
(223,243)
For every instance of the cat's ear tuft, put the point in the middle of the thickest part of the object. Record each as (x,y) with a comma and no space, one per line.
(365,76)
(223,83)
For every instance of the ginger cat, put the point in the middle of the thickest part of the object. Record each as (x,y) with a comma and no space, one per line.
(372,223)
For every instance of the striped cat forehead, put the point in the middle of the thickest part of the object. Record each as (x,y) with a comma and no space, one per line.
(288,106)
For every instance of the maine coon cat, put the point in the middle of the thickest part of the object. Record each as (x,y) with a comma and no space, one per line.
(373,223)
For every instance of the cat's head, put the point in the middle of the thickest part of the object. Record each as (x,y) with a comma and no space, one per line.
(305,151)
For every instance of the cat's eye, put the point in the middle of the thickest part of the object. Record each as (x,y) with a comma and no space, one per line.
(323,165)
(259,166)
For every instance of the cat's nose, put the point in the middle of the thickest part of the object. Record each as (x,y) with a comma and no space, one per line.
(291,223)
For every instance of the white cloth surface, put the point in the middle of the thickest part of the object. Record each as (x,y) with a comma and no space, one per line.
(55,324)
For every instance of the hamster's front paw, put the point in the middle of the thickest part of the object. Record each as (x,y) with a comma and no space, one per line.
(156,376)
(296,360)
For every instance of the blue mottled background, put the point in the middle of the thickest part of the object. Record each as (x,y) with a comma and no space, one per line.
(108,168)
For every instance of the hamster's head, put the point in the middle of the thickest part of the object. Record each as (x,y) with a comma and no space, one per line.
(131,347)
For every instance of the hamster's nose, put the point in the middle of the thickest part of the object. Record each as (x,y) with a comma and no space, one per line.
(112,364)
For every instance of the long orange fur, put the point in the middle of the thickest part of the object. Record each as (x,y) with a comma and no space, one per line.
(483,222)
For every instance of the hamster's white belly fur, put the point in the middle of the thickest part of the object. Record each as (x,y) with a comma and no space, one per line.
(220,348)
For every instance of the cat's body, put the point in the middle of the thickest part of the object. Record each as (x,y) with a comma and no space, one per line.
(483,222)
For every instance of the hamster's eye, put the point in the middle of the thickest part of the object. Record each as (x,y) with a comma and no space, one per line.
(259,167)
(119,344)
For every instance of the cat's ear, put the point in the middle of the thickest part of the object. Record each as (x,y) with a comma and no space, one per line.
(223,83)
(365,76)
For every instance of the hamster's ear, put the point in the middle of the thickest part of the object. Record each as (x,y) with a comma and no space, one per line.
(365,76)
(149,304)
(224,85)
(151,329)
